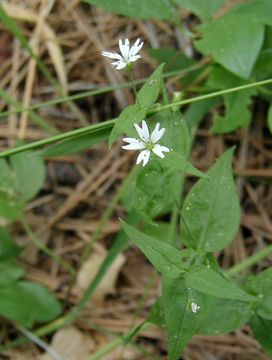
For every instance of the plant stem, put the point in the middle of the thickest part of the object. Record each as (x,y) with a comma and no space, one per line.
(121,340)
(109,123)
(129,69)
(250,261)
(94,92)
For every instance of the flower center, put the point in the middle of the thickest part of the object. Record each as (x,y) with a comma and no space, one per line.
(149,146)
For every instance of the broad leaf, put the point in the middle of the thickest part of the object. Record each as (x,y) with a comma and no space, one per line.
(181,322)
(30,174)
(210,213)
(225,315)
(156,190)
(8,248)
(9,272)
(231,46)
(212,283)
(202,8)
(164,257)
(28,303)
(262,330)
(140,9)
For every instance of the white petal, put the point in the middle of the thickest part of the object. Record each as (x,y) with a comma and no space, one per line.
(142,132)
(134,58)
(143,157)
(119,65)
(112,55)
(136,47)
(134,144)
(124,48)
(157,133)
(158,150)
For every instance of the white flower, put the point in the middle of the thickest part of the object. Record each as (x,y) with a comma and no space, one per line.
(128,54)
(146,143)
(194,307)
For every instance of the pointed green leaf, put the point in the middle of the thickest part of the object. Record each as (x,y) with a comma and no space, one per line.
(9,272)
(212,283)
(202,8)
(232,47)
(181,322)
(140,9)
(151,88)
(164,257)
(210,213)
(28,303)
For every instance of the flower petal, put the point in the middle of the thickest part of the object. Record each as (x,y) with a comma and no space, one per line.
(119,65)
(124,48)
(143,157)
(134,144)
(134,58)
(159,149)
(143,131)
(112,55)
(157,133)
(136,47)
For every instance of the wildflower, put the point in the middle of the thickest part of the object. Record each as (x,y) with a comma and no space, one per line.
(194,307)
(146,143)
(128,54)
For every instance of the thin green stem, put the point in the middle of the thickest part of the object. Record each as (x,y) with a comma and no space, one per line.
(121,340)
(95,92)
(250,261)
(129,69)
(110,123)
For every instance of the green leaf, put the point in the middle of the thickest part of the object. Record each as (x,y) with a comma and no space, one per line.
(131,115)
(8,248)
(28,303)
(164,257)
(151,89)
(181,322)
(10,209)
(262,69)
(173,59)
(202,8)
(76,144)
(225,315)
(232,47)
(262,330)
(210,213)
(140,9)
(237,113)
(212,283)
(261,285)
(30,174)
(178,162)
(156,190)
(9,272)
(269,118)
